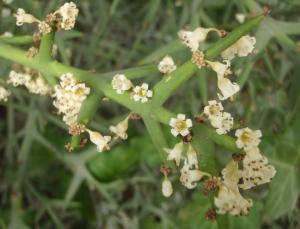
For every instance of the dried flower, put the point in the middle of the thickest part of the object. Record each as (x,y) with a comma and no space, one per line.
(120,83)
(22,17)
(17,79)
(166,65)
(175,153)
(180,125)
(223,124)
(100,141)
(192,157)
(68,12)
(142,93)
(256,170)
(247,138)
(210,214)
(192,38)
(243,47)
(189,177)
(120,130)
(230,201)
(226,87)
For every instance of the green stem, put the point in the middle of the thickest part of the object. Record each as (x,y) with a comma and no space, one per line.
(17,40)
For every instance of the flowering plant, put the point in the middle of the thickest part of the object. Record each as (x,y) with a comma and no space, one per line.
(185,143)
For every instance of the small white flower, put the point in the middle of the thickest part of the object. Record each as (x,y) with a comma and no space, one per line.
(180,125)
(100,141)
(189,177)
(175,153)
(167,188)
(22,17)
(240,17)
(192,38)
(231,202)
(213,109)
(226,87)
(243,47)
(4,94)
(120,83)
(223,123)
(142,93)
(256,170)
(120,130)
(247,138)
(166,65)
(192,158)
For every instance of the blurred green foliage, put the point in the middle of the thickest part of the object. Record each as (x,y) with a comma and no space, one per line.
(44,186)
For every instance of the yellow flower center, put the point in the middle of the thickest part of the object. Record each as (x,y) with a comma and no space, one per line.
(142,92)
(79,91)
(246,137)
(181,125)
(213,110)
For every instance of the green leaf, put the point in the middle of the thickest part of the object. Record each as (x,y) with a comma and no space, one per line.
(285,187)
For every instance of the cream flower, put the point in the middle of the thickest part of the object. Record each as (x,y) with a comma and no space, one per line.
(180,125)
(213,109)
(226,87)
(120,130)
(192,38)
(243,47)
(142,93)
(100,141)
(7,34)
(68,12)
(247,138)
(22,17)
(256,170)
(17,79)
(240,17)
(166,65)
(223,123)
(175,153)
(167,188)
(192,158)
(231,202)
(4,93)
(189,177)
(120,83)
(230,175)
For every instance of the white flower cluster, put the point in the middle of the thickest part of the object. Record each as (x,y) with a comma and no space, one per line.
(243,47)
(255,171)
(222,121)
(120,84)
(229,199)
(166,65)
(68,13)
(189,173)
(68,97)
(64,17)
(4,94)
(33,81)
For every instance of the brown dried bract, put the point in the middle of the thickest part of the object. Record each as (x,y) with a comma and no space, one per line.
(210,214)
(135,116)
(238,157)
(211,184)
(165,170)
(76,129)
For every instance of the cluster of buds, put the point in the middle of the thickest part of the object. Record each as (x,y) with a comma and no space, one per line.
(32,80)
(68,97)
(120,84)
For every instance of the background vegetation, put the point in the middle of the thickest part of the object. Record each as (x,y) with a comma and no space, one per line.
(44,186)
